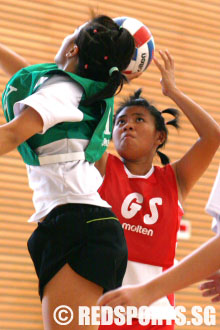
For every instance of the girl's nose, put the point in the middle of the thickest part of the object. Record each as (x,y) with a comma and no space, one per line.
(128,126)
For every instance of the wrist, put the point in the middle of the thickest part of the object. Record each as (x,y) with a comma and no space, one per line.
(174,93)
(152,292)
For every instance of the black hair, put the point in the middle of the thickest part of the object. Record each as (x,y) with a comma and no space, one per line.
(102,45)
(160,124)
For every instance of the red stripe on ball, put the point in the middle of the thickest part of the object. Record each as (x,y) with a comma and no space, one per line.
(141,36)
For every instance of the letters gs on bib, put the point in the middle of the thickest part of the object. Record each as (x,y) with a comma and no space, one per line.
(132,204)
(144,44)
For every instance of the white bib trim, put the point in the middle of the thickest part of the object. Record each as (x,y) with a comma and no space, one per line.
(61,158)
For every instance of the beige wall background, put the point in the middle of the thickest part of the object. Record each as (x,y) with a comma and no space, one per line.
(190,29)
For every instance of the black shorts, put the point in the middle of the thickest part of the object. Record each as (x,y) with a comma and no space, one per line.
(89,238)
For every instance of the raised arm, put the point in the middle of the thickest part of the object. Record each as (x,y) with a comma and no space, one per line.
(11,62)
(193,164)
(193,268)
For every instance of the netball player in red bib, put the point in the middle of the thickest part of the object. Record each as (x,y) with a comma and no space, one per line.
(146,198)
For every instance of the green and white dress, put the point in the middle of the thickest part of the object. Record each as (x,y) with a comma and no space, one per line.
(60,160)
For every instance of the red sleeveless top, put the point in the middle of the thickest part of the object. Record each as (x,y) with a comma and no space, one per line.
(147,207)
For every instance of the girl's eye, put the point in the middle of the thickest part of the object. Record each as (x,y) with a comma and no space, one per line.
(121,122)
(139,119)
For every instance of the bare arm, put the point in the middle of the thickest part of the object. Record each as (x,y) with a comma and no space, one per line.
(21,128)
(193,268)
(101,164)
(11,62)
(193,164)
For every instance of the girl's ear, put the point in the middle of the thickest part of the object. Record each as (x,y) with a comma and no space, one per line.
(73,51)
(161,137)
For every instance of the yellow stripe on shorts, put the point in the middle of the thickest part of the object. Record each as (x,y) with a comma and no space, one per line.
(99,219)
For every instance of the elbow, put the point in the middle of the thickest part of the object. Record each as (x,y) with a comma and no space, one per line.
(214,137)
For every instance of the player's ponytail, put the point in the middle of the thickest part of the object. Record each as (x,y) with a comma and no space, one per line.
(114,84)
(175,113)
(163,158)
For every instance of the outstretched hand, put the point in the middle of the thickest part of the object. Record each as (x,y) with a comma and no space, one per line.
(167,72)
(211,288)
(129,295)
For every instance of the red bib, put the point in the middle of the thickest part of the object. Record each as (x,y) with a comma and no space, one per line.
(147,207)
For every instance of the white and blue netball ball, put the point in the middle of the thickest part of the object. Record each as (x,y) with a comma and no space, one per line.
(144,44)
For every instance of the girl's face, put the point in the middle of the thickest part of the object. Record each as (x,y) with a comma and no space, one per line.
(66,46)
(135,136)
